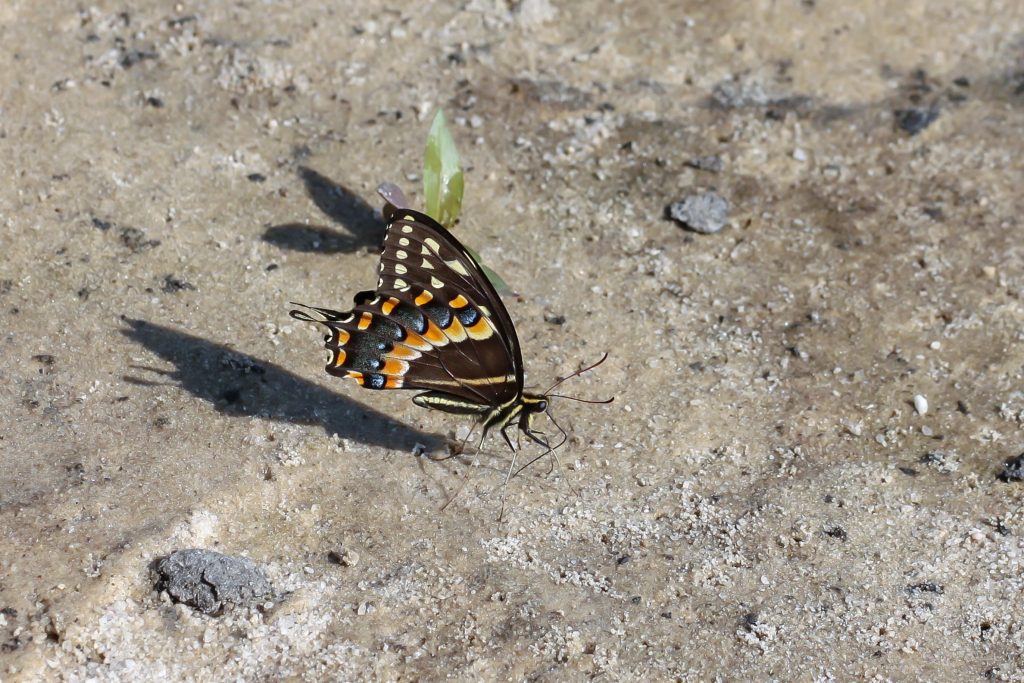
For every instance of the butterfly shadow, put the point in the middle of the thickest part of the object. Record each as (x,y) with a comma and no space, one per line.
(365,228)
(237,384)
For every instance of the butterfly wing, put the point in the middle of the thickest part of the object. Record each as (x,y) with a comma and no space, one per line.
(434,323)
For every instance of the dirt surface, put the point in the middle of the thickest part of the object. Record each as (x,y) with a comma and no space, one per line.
(798,479)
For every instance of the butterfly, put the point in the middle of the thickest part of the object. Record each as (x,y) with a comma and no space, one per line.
(436,324)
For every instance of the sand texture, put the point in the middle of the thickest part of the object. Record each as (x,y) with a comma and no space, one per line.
(801,477)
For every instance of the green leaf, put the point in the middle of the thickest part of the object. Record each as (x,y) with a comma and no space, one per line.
(443,187)
(500,286)
(442,174)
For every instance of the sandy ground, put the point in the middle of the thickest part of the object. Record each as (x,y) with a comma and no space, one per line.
(763,501)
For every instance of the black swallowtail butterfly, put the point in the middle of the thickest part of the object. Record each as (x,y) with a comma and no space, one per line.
(435,323)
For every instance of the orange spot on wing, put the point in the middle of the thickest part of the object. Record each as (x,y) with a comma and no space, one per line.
(459,302)
(389,305)
(339,358)
(364,320)
(455,330)
(341,337)
(393,366)
(357,376)
(481,330)
(424,298)
(415,341)
(403,352)
(393,383)
(434,335)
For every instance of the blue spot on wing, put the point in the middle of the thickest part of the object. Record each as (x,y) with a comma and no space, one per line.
(468,316)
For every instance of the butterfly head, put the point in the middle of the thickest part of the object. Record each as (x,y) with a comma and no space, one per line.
(534,404)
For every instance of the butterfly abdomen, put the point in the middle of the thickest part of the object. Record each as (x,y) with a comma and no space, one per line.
(439,400)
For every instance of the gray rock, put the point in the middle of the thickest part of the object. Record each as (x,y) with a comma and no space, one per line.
(706,213)
(735,94)
(208,581)
(711,163)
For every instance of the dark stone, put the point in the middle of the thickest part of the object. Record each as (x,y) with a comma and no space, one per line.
(554,318)
(916,119)
(136,241)
(711,163)
(133,57)
(208,581)
(1013,469)
(172,284)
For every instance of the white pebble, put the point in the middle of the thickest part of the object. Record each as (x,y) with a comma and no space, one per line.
(920,404)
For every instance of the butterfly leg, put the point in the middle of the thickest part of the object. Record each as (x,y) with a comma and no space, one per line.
(476,462)
(550,449)
(504,435)
(452,452)
(532,435)
(508,475)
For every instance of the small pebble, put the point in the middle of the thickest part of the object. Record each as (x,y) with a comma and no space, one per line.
(711,163)
(346,558)
(942,461)
(1013,469)
(915,120)
(799,154)
(706,213)
(920,404)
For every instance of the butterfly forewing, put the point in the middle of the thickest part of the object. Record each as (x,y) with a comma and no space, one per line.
(434,323)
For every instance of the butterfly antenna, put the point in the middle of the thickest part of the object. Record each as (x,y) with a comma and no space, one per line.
(581,400)
(577,374)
